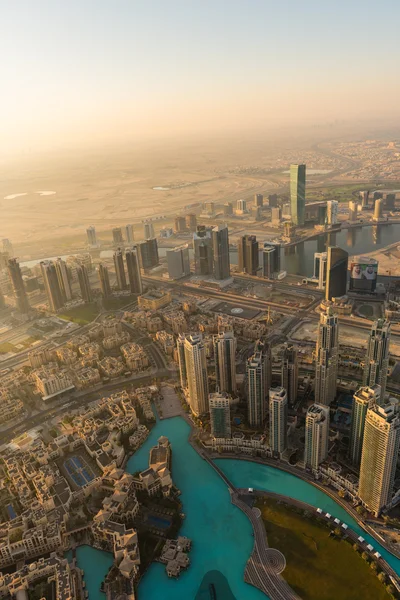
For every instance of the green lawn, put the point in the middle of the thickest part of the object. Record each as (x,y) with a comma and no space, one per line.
(81,314)
(318,567)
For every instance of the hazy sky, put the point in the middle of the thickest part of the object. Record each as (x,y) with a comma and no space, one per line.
(74,70)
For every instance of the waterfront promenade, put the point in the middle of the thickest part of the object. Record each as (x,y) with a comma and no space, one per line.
(264,567)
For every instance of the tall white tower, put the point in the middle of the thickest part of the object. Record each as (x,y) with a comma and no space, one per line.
(196,371)
(317,435)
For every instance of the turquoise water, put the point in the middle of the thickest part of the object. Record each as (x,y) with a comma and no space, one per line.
(221,534)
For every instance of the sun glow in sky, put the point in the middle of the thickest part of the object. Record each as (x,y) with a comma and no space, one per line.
(109,70)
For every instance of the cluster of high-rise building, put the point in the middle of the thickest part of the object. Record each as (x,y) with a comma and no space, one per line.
(249,257)
(211,251)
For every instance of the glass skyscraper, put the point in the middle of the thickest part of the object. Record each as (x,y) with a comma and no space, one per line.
(297,193)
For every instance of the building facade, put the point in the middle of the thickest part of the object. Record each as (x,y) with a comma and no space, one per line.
(290,373)
(377,356)
(220,243)
(248,254)
(259,376)
(364,399)
(316,436)
(297,193)
(225,362)
(326,358)
(197,377)
(336,272)
(220,415)
(278,419)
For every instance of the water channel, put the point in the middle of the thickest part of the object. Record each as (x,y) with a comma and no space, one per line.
(221,534)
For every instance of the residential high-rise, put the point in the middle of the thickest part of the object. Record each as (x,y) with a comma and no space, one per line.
(273,200)
(225,362)
(84,283)
(390,201)
(380,450)
(118,257)
(326,358)
(203,251)
(332,209)
(297,193)
(191,222)
(18,286)
(148,254)
(91,236)
(117,236)
(248,254)
(129,235)
(180,224)
(290,372)
(104,277)
(377,356)
(197,378)
(271,257)
(336,273)
(259,376)
(228,209)
(209,208)
(258,200)
(316,435)
(276,215)
(320,268)
(220,242)
(363,399)
(180,344)
(64,279)
(51,284)
(241,206)
(220,415)
(148,230)
(178,262)
(364,196)
(278,418)
(353,210)
(378,209)
(133,268)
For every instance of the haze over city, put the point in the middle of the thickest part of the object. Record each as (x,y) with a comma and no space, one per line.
(199,300)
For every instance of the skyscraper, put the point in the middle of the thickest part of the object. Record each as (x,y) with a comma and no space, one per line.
(84,283)
(8,247)
(258,200)
(64,279)
(377,356)
(191,222)
(290,372)
(220,242)
(117,236)
(316,435)
(336,273)
(241,206)
(118,257)
(259,375)
(104,277)
(380,450)
(220,415)
(320,268)
(91,236)
(353,210)
(148,254)
(129,236)
(52,286)
(228,209)
(148,230)
(271,257)
(248,254)
(180,224)
(203,251)
(378,209)
(180,344)
(364,196)
(225,362)
(133,267)
(297,193)
(332,209)
(363,399)
(197,378)
(18,286)
(178,262)
(278,413)
(326,358)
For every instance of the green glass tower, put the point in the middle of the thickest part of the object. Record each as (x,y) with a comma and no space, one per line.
(297,193)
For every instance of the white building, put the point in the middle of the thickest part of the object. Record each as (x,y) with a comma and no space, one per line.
(317,435)
(178,262)
(332,209)
(379,456)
